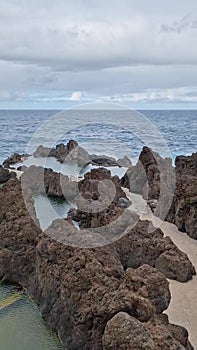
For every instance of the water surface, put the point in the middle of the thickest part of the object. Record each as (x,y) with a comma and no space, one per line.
(22,327)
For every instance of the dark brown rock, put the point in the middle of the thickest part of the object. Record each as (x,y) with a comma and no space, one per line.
(65,153)
(80,290)
(14,159)
(5,175)
(103,160)
(98,204)
(186,165)
(154,178)
(46,181)
(18,235)
(139,246)
(126,332)
(150,176)
(183,211)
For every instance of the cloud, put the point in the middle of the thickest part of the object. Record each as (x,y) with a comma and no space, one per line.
(76,96)
(184,94)
(139,50)
(178,26)
(5,95)
(65,40)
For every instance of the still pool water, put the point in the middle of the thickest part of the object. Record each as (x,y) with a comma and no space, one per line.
(22,327)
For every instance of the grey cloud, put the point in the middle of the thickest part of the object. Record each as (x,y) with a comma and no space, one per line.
(178,26)
(99,48)
(80,43)
(184,24)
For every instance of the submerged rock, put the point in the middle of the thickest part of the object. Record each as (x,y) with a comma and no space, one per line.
(104,161)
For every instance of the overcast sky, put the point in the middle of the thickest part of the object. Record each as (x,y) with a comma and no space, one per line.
(55,54)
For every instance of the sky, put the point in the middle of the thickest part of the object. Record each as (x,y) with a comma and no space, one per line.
(58,54)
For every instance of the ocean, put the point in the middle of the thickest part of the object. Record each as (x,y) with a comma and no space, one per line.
(177,127)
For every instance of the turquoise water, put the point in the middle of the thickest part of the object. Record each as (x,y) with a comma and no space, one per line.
(22,327)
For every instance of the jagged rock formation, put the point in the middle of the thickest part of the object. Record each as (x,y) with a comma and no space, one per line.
(154,334)
(46,181)
(171,193)
(99,203)
(186,165)
(103,160)
(183,211)
(87,295)
(65,153)
(154,178)
(72,152)
(14,159)
(5,175)
(124,162)
(144,244)
(149,175)
(107,161)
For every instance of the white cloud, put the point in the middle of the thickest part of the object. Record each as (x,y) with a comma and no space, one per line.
(184,94)
(76,96)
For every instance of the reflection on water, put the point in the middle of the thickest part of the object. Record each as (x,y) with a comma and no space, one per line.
(49,209)
(22,327)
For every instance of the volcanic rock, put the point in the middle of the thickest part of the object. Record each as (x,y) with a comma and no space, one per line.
(186,165)
(149,175)
(14,159)
(154,178)
(65,153)
(124,162)
(47,182)
(98,204)
(80,290)
(126,332)
(5,175)
(183,212)
(143,244)
(103,160)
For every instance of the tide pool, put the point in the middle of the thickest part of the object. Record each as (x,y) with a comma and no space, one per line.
(22,326)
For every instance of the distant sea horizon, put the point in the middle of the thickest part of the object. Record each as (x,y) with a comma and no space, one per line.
(177,126)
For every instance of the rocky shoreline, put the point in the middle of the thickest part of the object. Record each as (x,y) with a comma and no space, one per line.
(111,296)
